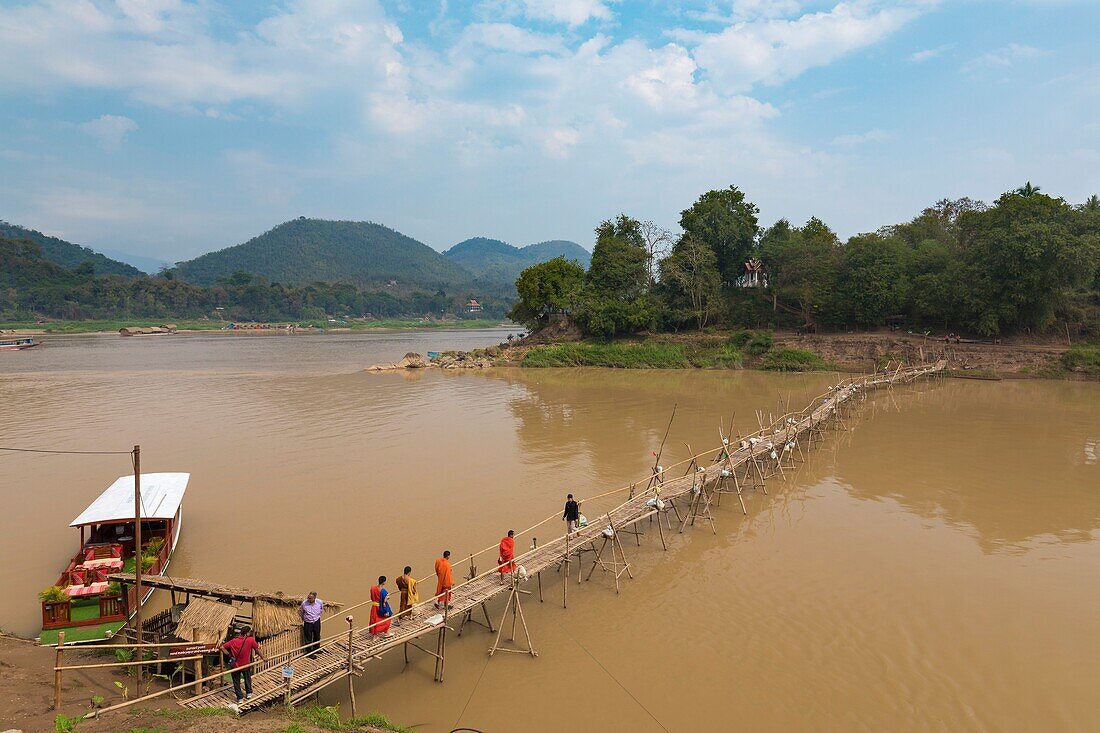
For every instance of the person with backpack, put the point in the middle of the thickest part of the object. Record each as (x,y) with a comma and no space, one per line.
(240,650)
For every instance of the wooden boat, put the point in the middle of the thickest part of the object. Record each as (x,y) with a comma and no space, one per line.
(18,344)
(165,330)
(85,605)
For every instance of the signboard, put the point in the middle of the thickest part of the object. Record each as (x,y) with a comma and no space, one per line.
(192,650)
(288,672)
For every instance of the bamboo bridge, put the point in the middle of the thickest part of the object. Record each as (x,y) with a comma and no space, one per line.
(738,464)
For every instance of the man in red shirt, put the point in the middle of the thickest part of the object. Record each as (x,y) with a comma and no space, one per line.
(240,649)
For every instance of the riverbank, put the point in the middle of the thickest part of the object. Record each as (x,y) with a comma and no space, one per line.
(27,328)
(27,690)
(862,352)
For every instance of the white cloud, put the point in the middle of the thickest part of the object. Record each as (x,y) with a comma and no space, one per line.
(511,38)
(871,136)
(571,12)
(1003,57)
(772,51)
(560,142)
(930,53)
(108,130)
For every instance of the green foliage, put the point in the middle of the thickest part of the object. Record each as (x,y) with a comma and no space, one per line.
(64,724)
(147,730)
(760,343)
(615,300)
(1083,358)
(726,222)
(68,255)
(153,546)
(327,717)
(114,588)
(692,281)
(53,594)
(377,720)
(98,700)
(31,286)
(792,360)
(494,261)
(646,355)
(803,268)
(295,728)
(304,251)
(545,289)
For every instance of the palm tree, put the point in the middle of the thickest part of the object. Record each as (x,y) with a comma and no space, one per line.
(1027,190)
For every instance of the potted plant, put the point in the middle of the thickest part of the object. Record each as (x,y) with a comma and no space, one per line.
(114,589)
(147,562)
(55,605)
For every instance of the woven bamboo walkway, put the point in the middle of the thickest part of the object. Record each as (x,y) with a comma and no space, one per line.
(746,460)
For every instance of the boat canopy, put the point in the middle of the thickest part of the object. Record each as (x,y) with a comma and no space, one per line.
(161,495)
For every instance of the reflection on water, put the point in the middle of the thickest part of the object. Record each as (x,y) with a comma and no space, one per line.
(927,570)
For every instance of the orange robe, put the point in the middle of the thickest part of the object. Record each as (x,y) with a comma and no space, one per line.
(444,580)
(507,553)
(379,610)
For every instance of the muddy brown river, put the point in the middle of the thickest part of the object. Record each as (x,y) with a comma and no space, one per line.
(933,568)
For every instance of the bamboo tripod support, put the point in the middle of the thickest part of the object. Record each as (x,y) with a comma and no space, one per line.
(615,567)
(514,606)
(699,508)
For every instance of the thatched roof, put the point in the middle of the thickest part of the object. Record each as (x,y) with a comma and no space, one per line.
(205,621)
(220,591)
(269,619)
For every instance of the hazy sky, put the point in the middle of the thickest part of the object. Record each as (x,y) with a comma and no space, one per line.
(169,128)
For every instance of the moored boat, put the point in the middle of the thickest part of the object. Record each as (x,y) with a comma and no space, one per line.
(83,603)
(18,344)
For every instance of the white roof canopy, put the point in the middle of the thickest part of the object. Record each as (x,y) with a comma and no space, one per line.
(161,495)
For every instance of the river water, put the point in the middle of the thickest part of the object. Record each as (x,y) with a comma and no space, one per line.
(933,568)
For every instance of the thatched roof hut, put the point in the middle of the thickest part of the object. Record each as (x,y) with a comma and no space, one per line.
(205,621)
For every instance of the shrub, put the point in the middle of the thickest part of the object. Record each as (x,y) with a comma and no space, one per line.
(378,720)
(53,594)
(327,717)
(1082,358)
(740,338)
(153,546)
(114,588)
(792,360)
(64,724)
(760,343)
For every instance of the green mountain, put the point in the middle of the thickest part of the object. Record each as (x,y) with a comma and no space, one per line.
(67,254)
(303,251)
(491,260)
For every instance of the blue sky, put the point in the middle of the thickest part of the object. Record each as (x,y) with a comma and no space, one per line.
(169,128)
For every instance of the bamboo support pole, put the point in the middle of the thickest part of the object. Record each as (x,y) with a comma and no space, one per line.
(57,670)
(351,679)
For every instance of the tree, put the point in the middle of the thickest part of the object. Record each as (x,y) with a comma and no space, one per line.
(1023,255)
(615,298)
(802,266)
(658,242)
(726,222)
(1091,205)
(1027,190)
(545,289)
(874,280)
(690,273)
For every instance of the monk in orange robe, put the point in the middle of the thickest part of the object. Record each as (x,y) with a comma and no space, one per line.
(445,579)
(505,558)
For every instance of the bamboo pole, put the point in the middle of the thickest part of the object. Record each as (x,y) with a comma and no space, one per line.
(351,680)
(538,574)
(57,671)
(137,556)
(127,664)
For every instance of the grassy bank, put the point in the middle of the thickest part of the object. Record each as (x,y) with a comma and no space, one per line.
(402,324)
(741,349)
(1083,358)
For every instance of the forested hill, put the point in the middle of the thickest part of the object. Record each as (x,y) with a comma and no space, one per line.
(67,254)
(491,260)
(302,251)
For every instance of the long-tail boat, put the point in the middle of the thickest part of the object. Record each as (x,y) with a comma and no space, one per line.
(18,344)
(82,602)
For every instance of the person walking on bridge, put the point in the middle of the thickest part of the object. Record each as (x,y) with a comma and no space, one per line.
(572,514)
(507,554)
(380,611)
(310,612)
(445,580)
(240,651)
(406,583)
